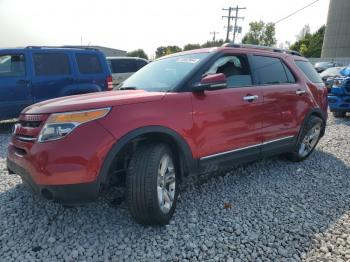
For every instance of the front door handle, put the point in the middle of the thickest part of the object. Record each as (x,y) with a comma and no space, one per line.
(300,92)
(250,98)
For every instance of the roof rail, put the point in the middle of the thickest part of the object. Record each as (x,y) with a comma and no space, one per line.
(64,46)
(260,47)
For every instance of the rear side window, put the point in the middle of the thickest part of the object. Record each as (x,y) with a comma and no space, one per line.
(50,64)
(12,65)
(88,64)
(124,65)
(270,70)
(309,71)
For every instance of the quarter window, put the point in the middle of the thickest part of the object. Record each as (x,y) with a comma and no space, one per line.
(51,64)
(88,64)
(307,68)
(12,65)
(235,68)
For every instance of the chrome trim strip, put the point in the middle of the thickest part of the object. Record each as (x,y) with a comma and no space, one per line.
(26,138)
(278,139)
(244,148)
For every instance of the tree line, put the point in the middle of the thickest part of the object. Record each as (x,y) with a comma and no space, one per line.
(260,33)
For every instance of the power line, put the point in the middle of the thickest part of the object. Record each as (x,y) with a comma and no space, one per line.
(284,18)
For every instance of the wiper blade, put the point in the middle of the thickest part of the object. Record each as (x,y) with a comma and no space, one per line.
(128,88)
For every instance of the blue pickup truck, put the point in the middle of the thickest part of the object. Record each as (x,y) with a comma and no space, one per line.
(33,74)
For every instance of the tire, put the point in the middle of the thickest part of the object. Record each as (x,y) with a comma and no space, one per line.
(150,198)
(339,114)
(307,140)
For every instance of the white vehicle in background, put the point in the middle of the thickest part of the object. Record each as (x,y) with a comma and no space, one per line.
(124,67)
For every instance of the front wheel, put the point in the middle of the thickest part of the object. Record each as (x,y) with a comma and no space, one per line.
(152,187)
(308,139)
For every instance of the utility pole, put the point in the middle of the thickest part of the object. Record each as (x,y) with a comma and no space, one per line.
(237,8)
(214,33)
(229,18)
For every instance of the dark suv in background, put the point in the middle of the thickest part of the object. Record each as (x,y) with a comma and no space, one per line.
(123,67)
(33,74)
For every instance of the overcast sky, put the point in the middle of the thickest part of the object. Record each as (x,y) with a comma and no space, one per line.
(131,24)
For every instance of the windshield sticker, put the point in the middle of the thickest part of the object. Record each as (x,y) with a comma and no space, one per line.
(187,60)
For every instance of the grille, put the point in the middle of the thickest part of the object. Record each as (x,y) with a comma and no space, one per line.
(30,123)
(347,85)
(28,127)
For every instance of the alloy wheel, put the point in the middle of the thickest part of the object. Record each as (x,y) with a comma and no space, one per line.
(166,182)
(310,140)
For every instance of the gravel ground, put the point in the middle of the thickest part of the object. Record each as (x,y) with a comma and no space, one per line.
(269,210)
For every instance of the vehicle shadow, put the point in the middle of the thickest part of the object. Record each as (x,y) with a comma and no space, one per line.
(344,120)
(6,126)
(270,209)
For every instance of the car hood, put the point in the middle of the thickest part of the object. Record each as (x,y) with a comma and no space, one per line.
(92,101)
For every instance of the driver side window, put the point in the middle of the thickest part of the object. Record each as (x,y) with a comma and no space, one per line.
(235,68)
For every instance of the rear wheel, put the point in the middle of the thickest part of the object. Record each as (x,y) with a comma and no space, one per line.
(308,139)
(152,187)
(339,114)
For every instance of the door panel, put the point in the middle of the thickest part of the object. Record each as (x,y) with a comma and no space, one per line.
(282,106)
(15,92)
(283,110)
(52,74)
(90,70)
(225,121)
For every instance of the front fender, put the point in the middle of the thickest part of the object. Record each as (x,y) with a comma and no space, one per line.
(118,146)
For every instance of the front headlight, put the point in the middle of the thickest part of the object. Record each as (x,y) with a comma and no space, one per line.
(60,125)
(338,83)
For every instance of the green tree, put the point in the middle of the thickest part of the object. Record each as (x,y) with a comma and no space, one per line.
(215,43)
(191,47)
(161,51)
(138,53)
(269,38)
(167,50)
(171,49)
(260,34)
(311,44)
(304,32)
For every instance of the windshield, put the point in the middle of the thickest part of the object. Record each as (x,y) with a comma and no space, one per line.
(164,74)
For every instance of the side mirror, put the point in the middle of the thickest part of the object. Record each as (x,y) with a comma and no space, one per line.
(211,82)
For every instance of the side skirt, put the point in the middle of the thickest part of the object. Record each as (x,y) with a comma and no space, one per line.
(244,155)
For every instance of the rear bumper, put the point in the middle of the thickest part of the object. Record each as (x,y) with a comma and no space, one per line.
(339,103)
(74,194)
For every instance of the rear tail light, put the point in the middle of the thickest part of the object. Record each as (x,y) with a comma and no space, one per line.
(109,82)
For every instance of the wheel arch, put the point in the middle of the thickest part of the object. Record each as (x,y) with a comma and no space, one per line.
(314,112)
(149,133)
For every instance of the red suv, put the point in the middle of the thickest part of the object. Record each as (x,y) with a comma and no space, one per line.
(183,114)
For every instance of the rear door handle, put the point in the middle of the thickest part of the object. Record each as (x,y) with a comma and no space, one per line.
(250,98)
(300,92)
